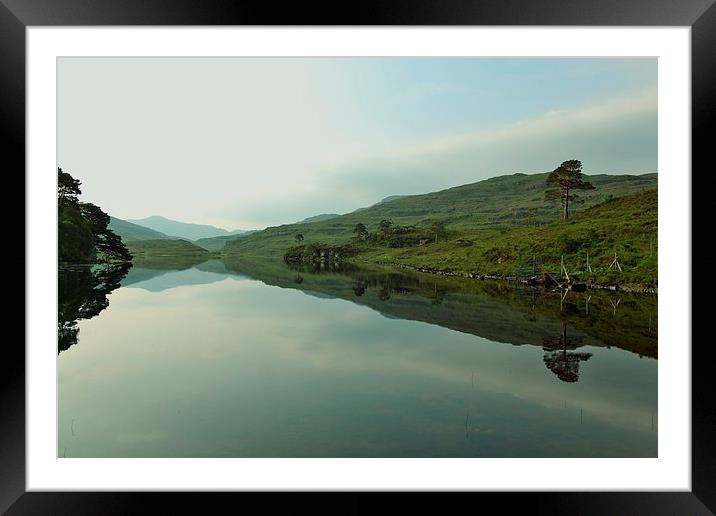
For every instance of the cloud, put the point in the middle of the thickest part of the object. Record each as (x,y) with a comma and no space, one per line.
(618,135)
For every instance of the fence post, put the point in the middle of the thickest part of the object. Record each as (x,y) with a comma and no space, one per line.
(615,262)
(564,270)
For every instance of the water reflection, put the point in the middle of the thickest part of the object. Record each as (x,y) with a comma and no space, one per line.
(355,362)
(563,363)
(495,310)
(82,294)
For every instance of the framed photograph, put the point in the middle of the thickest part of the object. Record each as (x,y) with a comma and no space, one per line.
(431,248)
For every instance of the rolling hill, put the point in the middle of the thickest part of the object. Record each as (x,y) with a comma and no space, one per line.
(177,254)
(217,243)
(130,232)
(318,218)
(183,229)
(626,225)
(498,203)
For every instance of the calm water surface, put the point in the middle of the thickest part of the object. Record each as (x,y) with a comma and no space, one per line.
(257,360)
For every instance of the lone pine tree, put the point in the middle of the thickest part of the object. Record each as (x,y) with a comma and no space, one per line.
(563,181)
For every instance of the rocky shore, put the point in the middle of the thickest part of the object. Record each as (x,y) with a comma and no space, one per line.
(544,280)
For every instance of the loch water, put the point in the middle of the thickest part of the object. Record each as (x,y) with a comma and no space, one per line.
(256,359)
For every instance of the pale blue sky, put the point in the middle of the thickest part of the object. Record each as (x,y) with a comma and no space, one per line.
(251,142)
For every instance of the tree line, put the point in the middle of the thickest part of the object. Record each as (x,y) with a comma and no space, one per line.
(83,232)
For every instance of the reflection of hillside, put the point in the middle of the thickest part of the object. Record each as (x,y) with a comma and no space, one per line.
(171,262)
(82,294)
(157,280)
(147,267)
(140,274)
(491,310)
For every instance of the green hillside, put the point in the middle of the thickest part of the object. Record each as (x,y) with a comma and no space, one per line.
(319,218)
(218,243)
(133,232)
(624,225)
(179,253)
(501,202)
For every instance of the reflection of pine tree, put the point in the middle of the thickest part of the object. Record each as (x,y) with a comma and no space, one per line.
(561,362)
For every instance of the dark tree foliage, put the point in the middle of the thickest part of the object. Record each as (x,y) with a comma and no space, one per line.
(299,238)
(109,243)
(82,294)
(95,217)
(106,242)
(563,181)
(68,188)
(75,243)
(83,232)
(385,226)
(361,231)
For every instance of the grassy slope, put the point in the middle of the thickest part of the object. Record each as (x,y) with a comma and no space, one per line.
(217,243)
(134,232)
(319,218)
(179,253)
(503,201)
(627,225)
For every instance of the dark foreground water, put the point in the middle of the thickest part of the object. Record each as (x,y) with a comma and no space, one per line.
(257,360)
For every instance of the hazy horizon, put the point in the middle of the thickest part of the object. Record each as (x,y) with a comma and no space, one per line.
(245,143)
(138,220)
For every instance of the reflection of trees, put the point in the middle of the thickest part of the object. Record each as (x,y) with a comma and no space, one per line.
(322,268)
(384,293)
(437,296)
(386,284)
(359,287)
(563,363)
(82,294)
(497,310)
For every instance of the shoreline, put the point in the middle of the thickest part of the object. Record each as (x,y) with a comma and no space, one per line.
(589,286)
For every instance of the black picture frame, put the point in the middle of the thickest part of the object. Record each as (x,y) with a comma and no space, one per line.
(17,15)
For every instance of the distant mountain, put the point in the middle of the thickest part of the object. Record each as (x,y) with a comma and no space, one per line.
(183,229)
(134,232)
(318,218)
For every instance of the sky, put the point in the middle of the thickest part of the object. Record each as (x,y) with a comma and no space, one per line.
(246,143)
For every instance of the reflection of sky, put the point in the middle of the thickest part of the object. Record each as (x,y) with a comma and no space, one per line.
(156,281)
(236,368)
(250,142)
